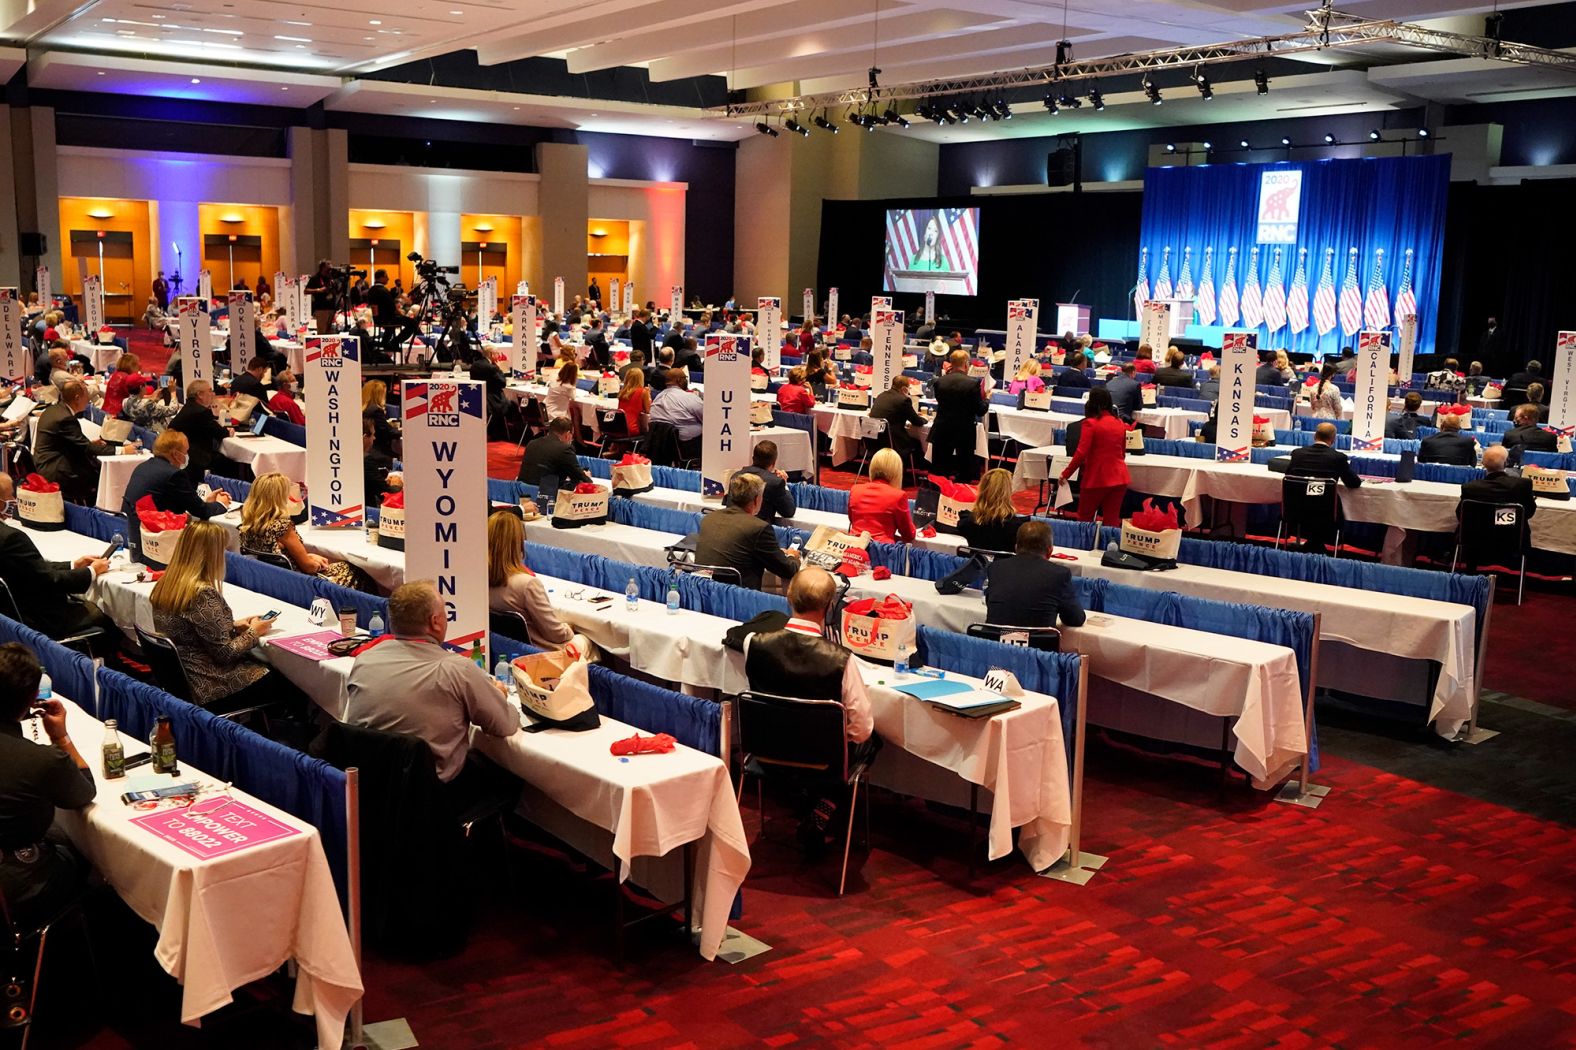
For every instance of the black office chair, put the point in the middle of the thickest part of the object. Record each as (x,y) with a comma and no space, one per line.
(790,737)
(1045,639)
(678,562)
(664,448)
(616,438)
(510,624)
(89,640)
(1493,535)
(170,673)
(274,558)
(18,992)
(1309,502)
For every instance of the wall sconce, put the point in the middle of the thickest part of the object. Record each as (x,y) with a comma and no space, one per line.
(373,224)
(231,218)
(483,227)
(101,213)
(599,233)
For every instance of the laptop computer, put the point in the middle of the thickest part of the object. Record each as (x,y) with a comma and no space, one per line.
(256,429)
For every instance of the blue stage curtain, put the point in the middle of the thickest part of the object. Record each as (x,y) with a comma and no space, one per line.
(286,430)
(70,672)
(1394,203)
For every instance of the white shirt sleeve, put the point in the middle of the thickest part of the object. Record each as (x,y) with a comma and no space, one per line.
(859,721)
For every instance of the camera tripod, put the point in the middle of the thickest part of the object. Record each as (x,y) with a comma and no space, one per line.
(435,294)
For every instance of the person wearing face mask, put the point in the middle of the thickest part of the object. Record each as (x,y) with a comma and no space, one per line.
(283,403)
(203,432)
(164,477)
(47,593)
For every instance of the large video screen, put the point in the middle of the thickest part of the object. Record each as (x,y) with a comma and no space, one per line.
(933,250)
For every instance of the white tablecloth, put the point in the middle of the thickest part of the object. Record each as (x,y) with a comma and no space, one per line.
(114,475)
(102,355)
(267,454)
(225,921)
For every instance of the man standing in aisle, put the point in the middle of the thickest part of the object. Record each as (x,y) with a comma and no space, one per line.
(960,401)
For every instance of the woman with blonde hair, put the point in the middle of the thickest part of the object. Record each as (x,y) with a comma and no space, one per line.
(266,528)
(880,506)
(1028,378)
(374,408)
(992,523)
(634,400)
(514,588)
(215,648)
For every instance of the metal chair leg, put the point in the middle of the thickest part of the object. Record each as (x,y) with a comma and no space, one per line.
(1521,579)
(32,999)
(848,837)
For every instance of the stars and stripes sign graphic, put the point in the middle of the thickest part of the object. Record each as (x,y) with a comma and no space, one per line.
(1185,278)
(1141,290)
(1376,308)
(1163,282)
(725,347)
(1206,289)
(1405,300)
(1252,294)
(1275,296)
(1297,297)
(959,242)
(1351,303)
(1324,298)
(1229,313)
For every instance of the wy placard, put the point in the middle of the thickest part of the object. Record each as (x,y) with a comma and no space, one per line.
(446,500)
(886,347)
(1239,364)
(769,329)
(725,424)
(1372,393)
(334,480)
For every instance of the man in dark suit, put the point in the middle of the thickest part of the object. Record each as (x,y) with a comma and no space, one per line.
(674,340)
(1028,589)
(1488,344)
(553,455)
(45,591)
(164,478)
(640,334)
(599,356)
(1072,379)
(251,382)
(204,433)
(736,536)
(1404,424)
(1515,389)
(395,326)
(776,500)
(1449,445)
(1496,486)
(62,453)
(1127,394)
(897,408)
(960,401)
(1323,460)
(1268,377)
(1526,433)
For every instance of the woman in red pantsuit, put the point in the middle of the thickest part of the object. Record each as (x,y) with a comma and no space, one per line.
(1102,458)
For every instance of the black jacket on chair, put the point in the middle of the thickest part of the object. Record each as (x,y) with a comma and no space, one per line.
(1031,592)
(43,589)
(1533,437)
(1323,461)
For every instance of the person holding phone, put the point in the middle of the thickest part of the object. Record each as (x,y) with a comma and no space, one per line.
(40,871)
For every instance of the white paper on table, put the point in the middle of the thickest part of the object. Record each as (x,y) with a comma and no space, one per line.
(91,430)
(21,406)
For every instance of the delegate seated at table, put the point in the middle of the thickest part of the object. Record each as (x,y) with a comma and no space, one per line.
(40,871)
(250,382)
(1496,486)
(47,593)
(1403,424)
(204,433)
(799,662)
(1127,394)
(1028,589)
(737,538)
(407,682)
(880,506)
(896,407)
(992,523)
(62,453)
(378,476)
(1449,445)
(165,479)
(1526,432)
(777,498)
(512,587)
(1323,460)
(553,455)
(266,528)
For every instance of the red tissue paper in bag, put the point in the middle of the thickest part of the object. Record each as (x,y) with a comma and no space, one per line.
(660,744)
(1150,519)
(1454,410)
(889,608)
(866,369)
(394,500)
(954,490)
(929,532)
(39,483)
(632,459)
(154,520)
(881,572)
(1260,420)
(587,488)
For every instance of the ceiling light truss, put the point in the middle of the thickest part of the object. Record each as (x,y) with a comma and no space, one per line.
(1327,30)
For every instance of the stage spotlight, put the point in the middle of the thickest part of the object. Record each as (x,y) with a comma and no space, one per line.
(890,116)
(1205,91)
(824,124)
(1050,106)
(1261,81)
(1171,147)
(899,119)
(1153,92)
(855,118)
(1097,100)
(1244,144)
(796,127)
(1422,133)
(1373,136)
(1285,141)
(1003,111)
(765,128)
(960,113)
(1209,147)
(1069,102)
(1329,140)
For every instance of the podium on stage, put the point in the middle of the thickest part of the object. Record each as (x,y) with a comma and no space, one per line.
(1071,317)
(1181,315)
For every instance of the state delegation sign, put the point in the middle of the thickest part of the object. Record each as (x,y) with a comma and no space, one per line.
(725,421)
(15,363)
(1238,388)
(1372,393)
(334,479)
(769,329)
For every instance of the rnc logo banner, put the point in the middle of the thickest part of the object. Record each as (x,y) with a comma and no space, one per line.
(442,404)
(724,349)
(1280,201)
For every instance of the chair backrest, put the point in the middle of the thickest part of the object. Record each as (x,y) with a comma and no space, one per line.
(274,558)
(1046,639)
(510,624)
(720,573)
(8,603)
(165,660)
(662,443)
(982,552)
(872,429)
(1309,499)
(1492,528)
(787,731)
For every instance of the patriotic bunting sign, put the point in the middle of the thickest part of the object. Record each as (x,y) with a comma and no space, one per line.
(1252,295)
(1351,298)
(1376,308)
(1371,396)
(446,501)
(1324,298)
(332,372)
(1141,289)
(1275,296)
(1238,387)
(1297,298)
(1206,289)
(1229,306)
(1163,282)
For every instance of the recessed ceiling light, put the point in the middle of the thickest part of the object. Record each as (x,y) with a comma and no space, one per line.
(517,107)
(101,72)
(432,102)
(284,89)
(456,12)
(288,22)
(374,21)
(196,81)
(302,39)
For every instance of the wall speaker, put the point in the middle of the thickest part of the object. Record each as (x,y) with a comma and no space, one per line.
(1059,166)
(33,245)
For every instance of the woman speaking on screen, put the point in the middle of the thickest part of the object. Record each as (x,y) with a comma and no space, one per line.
(931,256)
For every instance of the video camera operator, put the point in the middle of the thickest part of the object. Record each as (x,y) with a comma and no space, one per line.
(395,327)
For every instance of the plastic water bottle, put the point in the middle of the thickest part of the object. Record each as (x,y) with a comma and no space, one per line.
(632,595)
(900,665)
(46,687)
(505,674)
(673,596)
(375,625)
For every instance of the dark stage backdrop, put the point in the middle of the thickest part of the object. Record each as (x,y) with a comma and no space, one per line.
(1045,246)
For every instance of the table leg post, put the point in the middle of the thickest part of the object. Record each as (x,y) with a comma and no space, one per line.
(1077,867)
(618,917)
(1303,793)
(1472,734)
(689,889)
(381,1035)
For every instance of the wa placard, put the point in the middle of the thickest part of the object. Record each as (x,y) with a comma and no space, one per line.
(725,424)
(1372,392)
(1239,364)
(446,500)
(334,480)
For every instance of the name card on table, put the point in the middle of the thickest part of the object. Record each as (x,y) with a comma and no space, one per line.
(725,422)
(1372,392)
(446,500)
(335,484)
(15,362)
(1238,384)
(769,329)
(886,346)
(214,828)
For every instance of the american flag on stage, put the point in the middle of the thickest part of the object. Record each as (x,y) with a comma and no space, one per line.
(1141,290)
(1185,278)
(1405,301)
(959,240)
(1297,297)
(1228,291)
(1324,298)
(1351,298)
(1275,296)
(1376,309)
(1163,282)
(1252,295)
(1206,289)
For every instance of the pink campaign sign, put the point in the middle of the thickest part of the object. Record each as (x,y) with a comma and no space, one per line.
(210,831)
(311,646)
